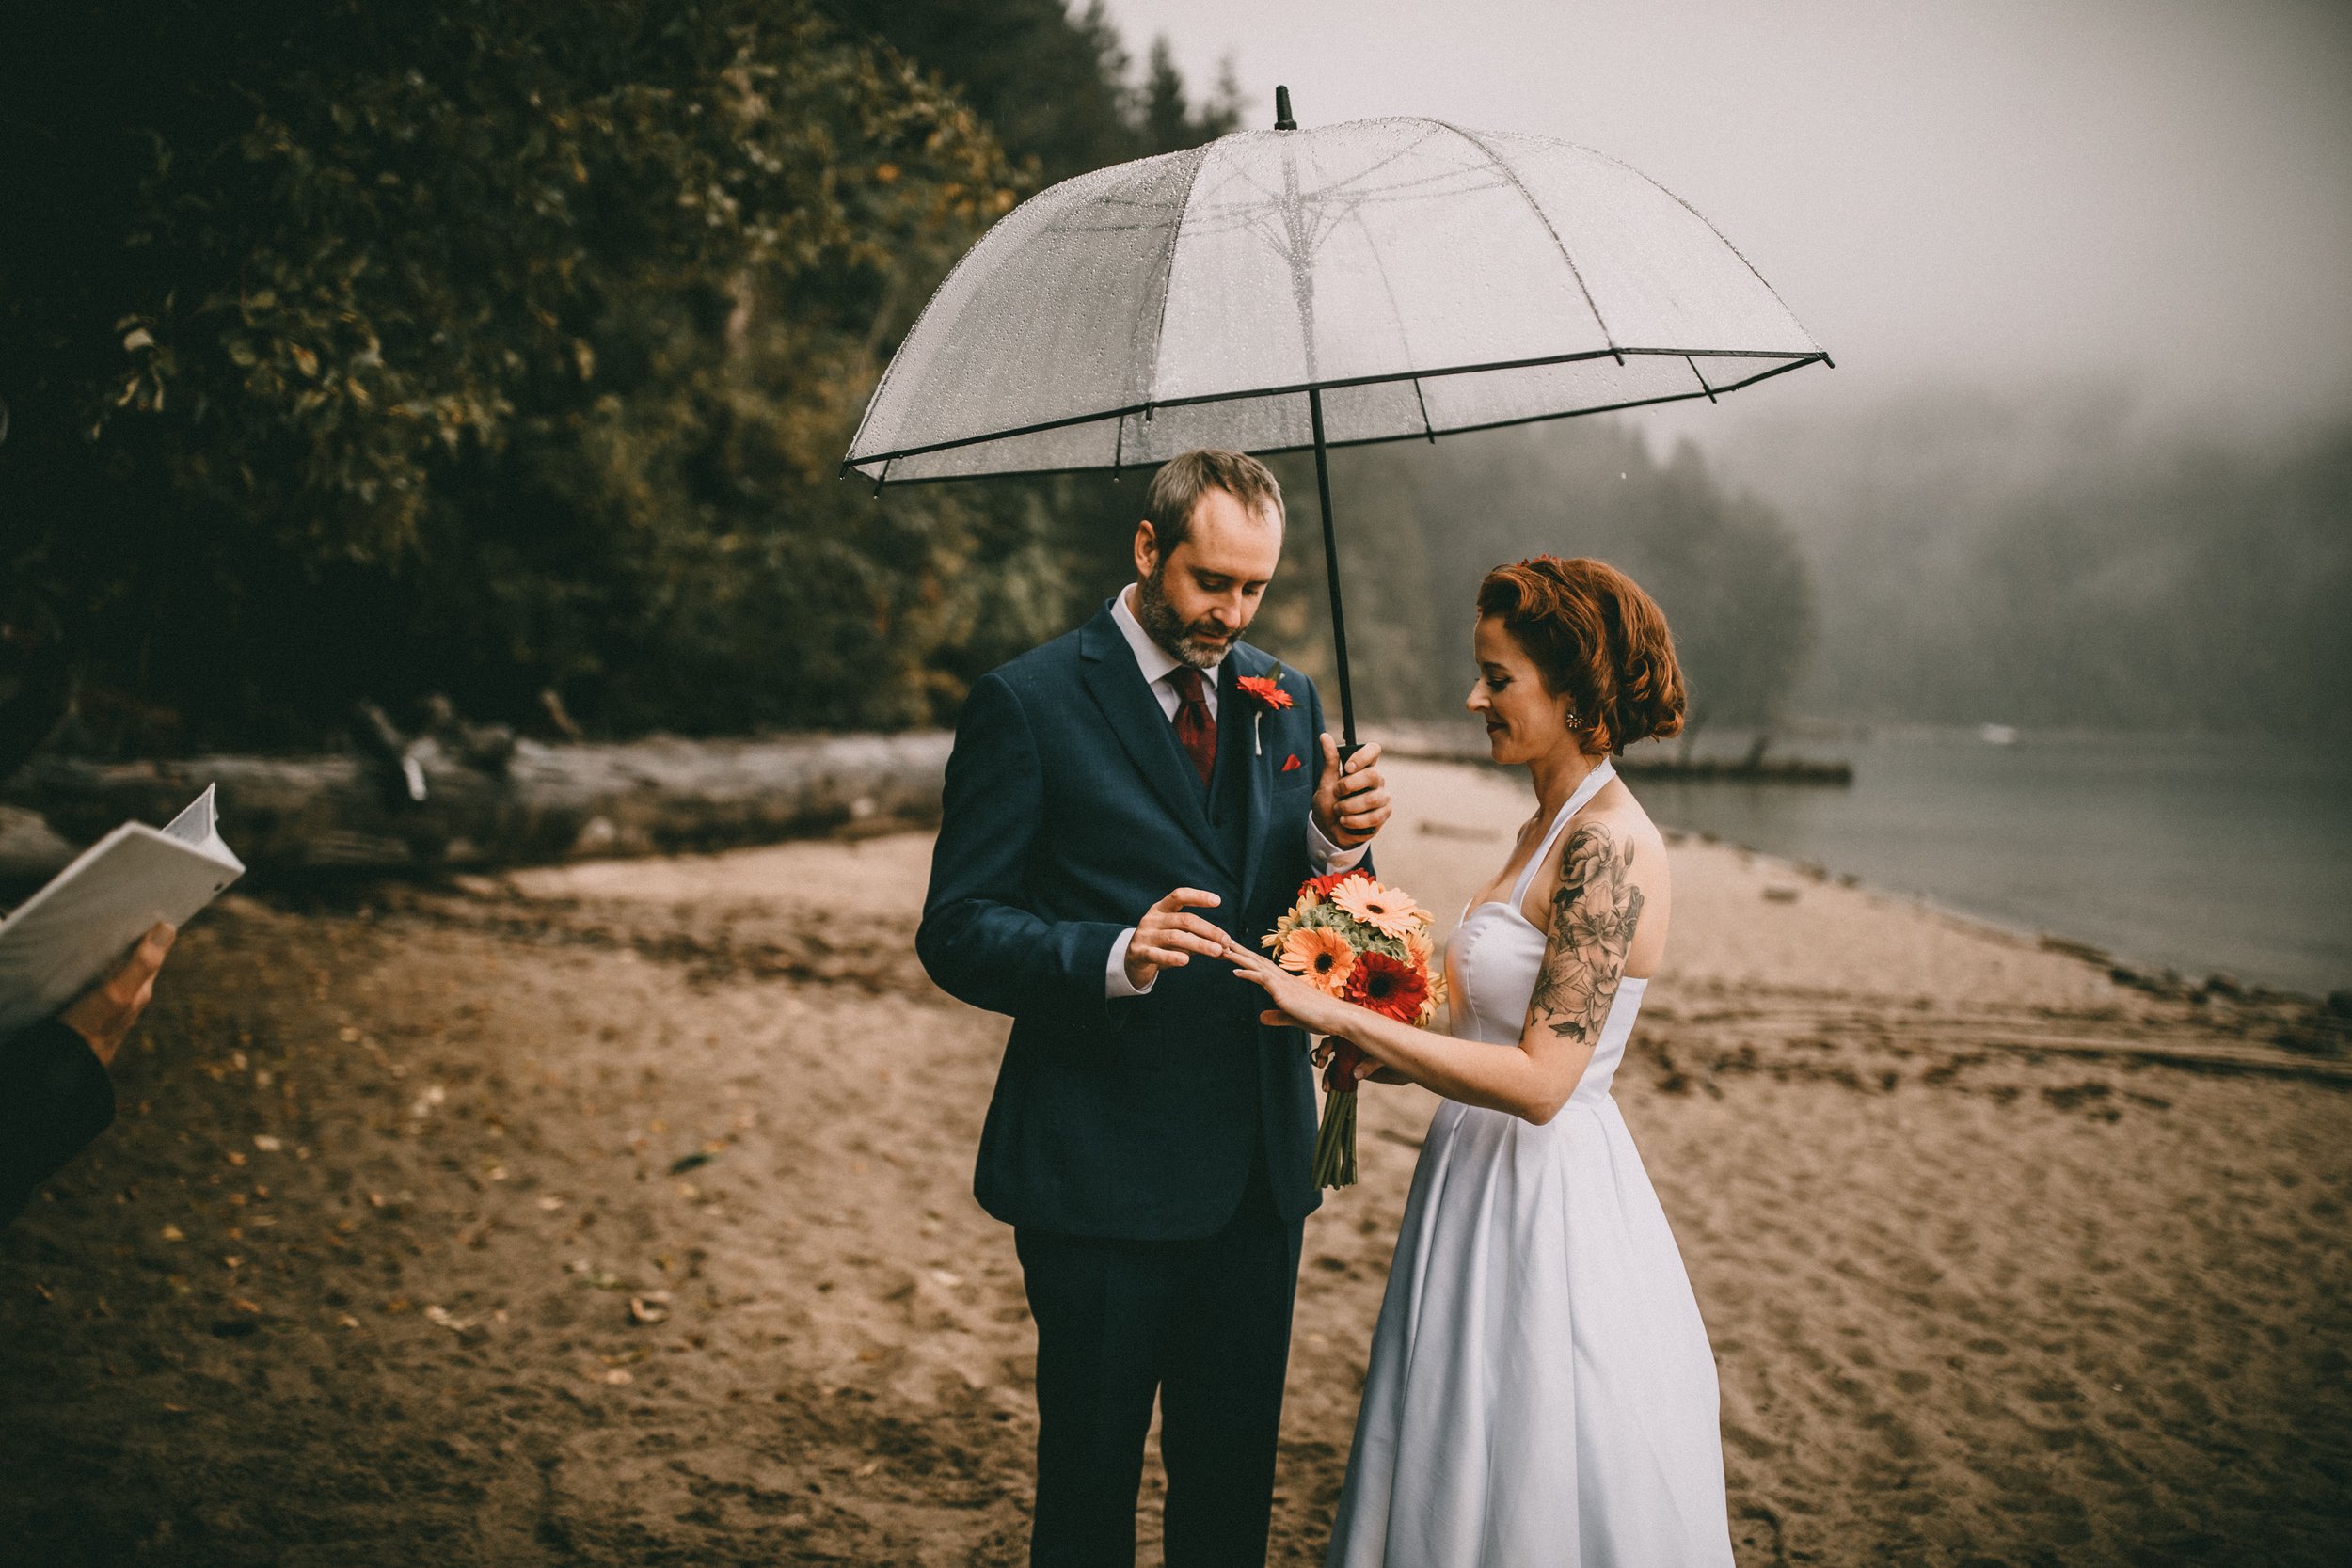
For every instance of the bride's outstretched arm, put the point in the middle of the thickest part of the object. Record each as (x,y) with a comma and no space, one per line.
(1593,916)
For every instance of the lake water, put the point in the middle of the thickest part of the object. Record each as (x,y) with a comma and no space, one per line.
(2184,854)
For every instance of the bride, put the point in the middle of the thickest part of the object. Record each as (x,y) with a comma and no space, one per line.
(1540,1389)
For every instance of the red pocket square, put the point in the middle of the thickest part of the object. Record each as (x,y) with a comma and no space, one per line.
(1291,764)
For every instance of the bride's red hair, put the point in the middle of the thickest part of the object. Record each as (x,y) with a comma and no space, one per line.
(1595,637)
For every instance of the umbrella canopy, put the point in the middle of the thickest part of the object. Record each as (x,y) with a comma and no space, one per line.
(1279,290)
(1425,278)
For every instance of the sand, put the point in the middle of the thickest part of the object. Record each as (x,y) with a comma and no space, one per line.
(621,1214)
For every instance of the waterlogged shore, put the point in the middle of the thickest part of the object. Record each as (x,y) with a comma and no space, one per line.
(620,1213)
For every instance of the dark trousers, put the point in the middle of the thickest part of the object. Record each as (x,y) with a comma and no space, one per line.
(1205,1326)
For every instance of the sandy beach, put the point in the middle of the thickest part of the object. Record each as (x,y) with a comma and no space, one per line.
(620,1213)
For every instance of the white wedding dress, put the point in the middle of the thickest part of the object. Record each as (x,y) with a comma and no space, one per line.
(1541,1392)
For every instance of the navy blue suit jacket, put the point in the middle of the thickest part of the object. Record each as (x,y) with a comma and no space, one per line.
(1071,809)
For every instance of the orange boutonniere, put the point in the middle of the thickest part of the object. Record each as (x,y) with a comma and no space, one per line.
(1267,691)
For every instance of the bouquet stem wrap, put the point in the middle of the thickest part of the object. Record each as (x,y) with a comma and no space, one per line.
(1335,1139)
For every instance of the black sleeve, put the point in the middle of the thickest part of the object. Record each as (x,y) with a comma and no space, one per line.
(978,939)
(55,1096)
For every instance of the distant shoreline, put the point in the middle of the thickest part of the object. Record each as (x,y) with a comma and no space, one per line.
(2120,962)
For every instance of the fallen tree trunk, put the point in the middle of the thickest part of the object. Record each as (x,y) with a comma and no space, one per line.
(542,803)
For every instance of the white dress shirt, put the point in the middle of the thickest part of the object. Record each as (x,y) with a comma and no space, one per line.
(1157,664)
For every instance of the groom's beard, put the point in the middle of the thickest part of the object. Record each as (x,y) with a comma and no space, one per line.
(1199,644)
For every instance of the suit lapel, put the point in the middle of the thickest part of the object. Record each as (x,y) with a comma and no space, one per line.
(1118,688)
(1239,741)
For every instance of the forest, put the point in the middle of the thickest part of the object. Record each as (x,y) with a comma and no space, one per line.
(505,351)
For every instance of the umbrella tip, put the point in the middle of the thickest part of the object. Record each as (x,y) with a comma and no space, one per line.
(1282,120)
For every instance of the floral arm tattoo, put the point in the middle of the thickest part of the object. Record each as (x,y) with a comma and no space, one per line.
(1593,917)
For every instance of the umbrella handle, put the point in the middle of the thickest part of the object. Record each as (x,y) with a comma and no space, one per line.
(1348,745)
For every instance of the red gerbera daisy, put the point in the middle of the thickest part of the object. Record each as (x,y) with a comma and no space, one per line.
(1321,886)
(1269,691)
(1389,987)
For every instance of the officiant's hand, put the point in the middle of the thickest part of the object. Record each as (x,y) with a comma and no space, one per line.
(1167,937)
(1350,806)
(103,1014)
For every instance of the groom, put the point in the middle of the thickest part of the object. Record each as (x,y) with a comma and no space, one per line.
(1117,803)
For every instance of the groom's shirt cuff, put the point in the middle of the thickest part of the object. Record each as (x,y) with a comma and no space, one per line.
(1326,856)
(1115,983)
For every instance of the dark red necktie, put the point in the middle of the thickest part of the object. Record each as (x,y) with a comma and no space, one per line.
(1194,727)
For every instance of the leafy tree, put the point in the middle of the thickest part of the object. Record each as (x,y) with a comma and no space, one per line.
(1052,86)
(486,346)
(498,347)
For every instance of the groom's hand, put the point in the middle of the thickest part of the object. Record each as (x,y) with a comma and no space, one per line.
(1167,937)
(1350,806)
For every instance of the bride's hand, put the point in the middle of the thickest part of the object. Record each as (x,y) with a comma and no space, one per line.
(1367,1070)
(1300,1005)
(1296,1004)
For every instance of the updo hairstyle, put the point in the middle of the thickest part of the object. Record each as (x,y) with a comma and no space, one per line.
(1596,638)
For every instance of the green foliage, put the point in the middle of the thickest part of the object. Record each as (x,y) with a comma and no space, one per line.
(1054,87)
(485,347)
(498,347)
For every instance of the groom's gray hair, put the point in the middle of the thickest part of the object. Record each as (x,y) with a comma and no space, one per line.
(1177,488)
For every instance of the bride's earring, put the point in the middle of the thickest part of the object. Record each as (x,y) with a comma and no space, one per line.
(1572,721)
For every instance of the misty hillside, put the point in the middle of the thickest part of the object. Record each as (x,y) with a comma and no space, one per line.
(1420,524)
(2060,563)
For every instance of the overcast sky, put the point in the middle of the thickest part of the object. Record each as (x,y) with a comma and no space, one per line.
(2150,192)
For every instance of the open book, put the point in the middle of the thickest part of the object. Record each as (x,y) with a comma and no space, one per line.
(83,923)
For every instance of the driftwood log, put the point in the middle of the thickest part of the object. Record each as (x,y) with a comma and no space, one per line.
(437,807)
(463,797)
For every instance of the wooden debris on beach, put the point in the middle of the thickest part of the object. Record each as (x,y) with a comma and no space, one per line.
(440,802)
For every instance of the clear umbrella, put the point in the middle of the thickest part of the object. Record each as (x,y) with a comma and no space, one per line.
(1276,290)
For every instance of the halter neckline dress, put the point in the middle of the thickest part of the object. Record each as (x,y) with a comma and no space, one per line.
(1541,1392)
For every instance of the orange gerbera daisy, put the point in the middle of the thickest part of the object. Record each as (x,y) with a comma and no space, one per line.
(1419,953)
(1322,956)
(1390,910)
(1388,986)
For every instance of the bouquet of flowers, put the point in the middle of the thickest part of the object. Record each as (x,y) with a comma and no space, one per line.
(1369,944)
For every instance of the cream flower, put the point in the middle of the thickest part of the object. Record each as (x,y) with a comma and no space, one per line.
(1387,909)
